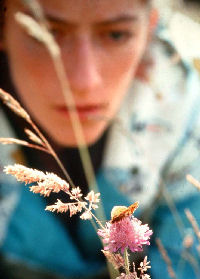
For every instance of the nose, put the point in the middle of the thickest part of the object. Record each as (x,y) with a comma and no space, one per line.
(82,66)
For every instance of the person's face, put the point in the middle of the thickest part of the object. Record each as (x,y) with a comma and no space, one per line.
(102,43)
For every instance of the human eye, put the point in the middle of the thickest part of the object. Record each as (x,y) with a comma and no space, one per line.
(117,36)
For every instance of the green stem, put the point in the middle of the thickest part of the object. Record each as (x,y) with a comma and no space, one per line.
(126,260)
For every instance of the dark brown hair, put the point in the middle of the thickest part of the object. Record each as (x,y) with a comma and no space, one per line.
(2,14)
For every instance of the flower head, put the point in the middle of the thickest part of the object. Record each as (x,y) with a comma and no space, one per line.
(128,276)
(127,233)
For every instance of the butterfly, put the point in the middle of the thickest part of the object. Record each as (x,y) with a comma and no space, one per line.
(120,212)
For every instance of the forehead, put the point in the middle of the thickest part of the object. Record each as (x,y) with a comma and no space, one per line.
(89,10)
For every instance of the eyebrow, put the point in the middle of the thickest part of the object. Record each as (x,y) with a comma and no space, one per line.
(114,20)
(119,19)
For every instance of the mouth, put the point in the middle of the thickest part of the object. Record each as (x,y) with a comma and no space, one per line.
(85,112)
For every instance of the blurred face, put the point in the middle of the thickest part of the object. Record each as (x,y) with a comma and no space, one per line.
(102,43)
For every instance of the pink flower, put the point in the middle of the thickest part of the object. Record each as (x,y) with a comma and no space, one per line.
(133,276)
(126,233)
(128,276)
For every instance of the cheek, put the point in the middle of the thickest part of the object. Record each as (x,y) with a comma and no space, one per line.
(27,58)
(119,67)
(119,71)
(30,65)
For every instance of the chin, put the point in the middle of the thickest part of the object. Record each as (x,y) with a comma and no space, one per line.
(66,140)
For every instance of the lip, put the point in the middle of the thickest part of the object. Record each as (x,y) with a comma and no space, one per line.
(85,112)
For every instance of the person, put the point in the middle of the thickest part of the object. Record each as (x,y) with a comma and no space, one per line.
(104,46)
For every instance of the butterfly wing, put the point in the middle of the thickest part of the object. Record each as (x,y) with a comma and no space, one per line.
(125,212)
